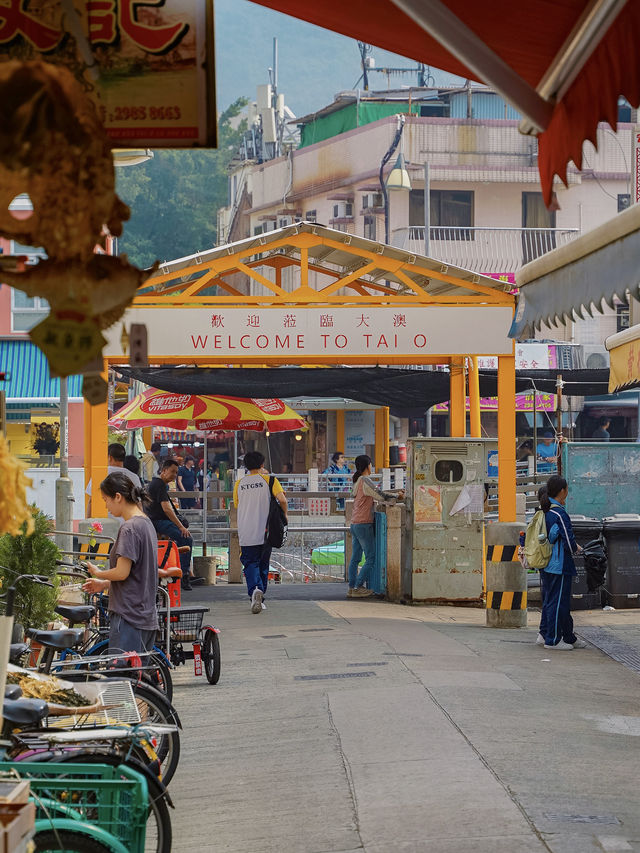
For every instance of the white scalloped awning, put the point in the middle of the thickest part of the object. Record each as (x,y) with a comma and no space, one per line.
(574,281)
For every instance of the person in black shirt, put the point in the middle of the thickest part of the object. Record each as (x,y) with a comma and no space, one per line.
(187,482)
(165,517)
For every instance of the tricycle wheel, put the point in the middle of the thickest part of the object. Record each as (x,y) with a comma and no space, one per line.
(211,656)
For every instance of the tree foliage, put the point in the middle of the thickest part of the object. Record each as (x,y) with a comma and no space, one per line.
(175,196)
(35,554)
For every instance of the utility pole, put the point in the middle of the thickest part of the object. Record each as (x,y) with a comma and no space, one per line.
(64,485)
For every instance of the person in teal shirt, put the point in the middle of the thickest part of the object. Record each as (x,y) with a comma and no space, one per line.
(547,453)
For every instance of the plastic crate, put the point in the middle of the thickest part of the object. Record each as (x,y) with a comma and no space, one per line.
(113,798)
(185,623)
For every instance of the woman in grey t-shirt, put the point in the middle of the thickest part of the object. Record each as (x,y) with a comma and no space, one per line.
(132,576)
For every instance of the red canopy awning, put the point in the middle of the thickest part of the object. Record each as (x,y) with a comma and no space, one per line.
(587,51)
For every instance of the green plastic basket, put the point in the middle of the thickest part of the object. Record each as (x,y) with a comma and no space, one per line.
(114,798)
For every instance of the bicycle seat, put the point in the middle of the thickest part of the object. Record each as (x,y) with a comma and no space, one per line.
(76,613)
(24,712)
(12,691)
(17,652)
(58,640)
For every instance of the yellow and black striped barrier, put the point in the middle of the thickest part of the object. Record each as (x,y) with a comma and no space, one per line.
(506,592)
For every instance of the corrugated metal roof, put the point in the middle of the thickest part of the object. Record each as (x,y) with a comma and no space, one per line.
(326,253)
(29,377)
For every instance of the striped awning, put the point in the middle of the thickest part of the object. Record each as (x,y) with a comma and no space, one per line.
(29,378)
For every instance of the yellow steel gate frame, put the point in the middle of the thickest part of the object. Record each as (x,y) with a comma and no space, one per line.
(309,266)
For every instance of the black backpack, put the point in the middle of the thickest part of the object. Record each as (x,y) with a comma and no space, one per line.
(276,532)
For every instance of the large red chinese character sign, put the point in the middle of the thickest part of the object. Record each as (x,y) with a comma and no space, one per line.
(151,69)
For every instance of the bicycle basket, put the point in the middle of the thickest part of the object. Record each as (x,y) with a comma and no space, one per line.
(113,798)
(185,623)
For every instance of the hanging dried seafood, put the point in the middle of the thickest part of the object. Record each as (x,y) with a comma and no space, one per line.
(54,148)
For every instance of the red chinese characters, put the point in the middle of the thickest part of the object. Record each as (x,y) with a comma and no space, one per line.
(108,21)
(15,22)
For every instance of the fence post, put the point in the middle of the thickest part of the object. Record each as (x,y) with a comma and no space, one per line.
(348,510)
(235,566)
(506,577)
(395,526)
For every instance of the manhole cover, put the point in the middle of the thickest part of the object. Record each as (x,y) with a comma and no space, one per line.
(332,675)
(583,818)
(613,647)
(309,630)
(404,654)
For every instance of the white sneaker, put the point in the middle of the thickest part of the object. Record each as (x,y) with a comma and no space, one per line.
(561,646)
(263,605)
(580,644)
(256,601)
(539,640)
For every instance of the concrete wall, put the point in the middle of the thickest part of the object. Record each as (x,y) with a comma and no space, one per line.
(43,491)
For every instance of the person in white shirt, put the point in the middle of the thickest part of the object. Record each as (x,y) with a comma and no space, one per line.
(252,498)
(115,465)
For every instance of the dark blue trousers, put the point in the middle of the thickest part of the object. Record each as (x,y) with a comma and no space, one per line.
(556,609)
(255,561)
(168,530)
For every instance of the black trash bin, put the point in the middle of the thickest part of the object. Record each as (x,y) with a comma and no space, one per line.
(586,530)
(622,534)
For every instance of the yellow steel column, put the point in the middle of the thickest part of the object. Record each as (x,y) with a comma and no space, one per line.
(457,399)
(98,415)
(340,430)
(382,439)
(87,452)
(474,397)
(506,438)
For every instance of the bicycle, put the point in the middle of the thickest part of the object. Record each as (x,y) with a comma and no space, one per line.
(83,837)
(118,747)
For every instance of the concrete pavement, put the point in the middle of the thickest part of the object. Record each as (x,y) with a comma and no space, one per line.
(356,725)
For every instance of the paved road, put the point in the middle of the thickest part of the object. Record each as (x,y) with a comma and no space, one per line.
(343,725)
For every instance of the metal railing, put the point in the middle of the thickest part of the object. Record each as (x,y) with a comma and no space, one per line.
(484,250)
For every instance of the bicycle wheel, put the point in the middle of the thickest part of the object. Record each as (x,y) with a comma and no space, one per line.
(156,670)
(65,841)
(211,656)
(154,707)
(158,835)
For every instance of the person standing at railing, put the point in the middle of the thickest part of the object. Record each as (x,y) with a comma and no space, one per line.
(365,493)
(338,466)
(547,453)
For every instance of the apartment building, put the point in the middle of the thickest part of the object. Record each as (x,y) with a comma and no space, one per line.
(486,211)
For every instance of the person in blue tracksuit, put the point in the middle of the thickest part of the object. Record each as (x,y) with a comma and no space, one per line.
(560,571)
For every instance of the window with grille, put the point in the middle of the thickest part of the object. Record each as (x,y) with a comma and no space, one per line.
(370,227)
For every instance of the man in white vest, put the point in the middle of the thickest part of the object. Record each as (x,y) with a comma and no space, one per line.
(252,498)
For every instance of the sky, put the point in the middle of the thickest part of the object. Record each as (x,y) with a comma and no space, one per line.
(313,64)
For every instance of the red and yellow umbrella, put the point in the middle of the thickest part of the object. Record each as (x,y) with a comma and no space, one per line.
(206,413)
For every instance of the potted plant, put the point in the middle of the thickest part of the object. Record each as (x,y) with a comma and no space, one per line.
(46,440)
(34,553)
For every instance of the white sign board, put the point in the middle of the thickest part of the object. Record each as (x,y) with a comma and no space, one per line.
(235,333)
(359,430)
(528,357)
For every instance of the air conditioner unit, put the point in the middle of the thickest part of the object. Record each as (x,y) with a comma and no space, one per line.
(371,200)
(343,210)
(596,357)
